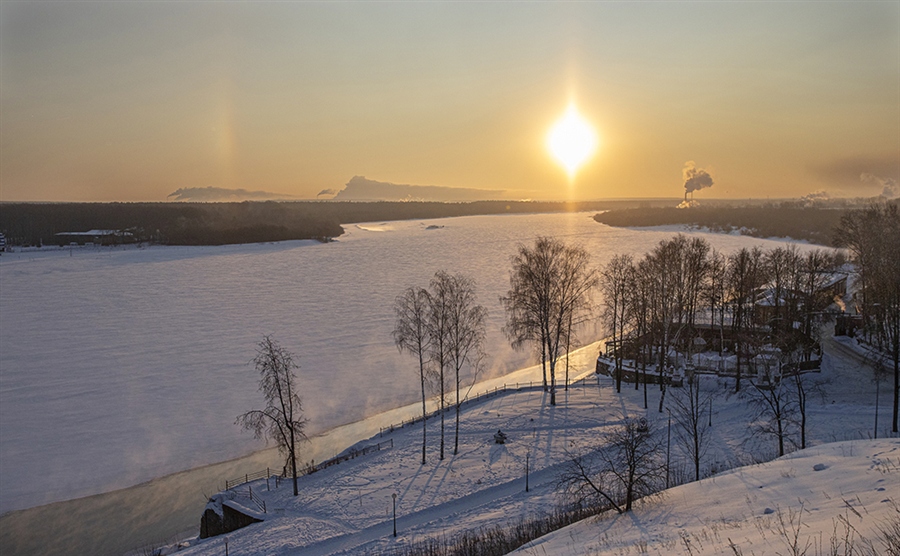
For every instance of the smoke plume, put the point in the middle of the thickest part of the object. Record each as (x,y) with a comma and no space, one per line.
(889,188)
(695,178)
(811,199)
(327,193)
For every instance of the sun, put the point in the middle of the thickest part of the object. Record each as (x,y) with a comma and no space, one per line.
(572,140)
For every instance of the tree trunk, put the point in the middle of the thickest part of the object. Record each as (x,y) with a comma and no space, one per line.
(294,461)
(442,414)
(424,410)
(544,363)
(456,434)
(896,379)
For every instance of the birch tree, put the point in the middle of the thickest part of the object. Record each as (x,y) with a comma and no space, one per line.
(615,285)
(550,285)
(465,332)
(282,419)
(411,334)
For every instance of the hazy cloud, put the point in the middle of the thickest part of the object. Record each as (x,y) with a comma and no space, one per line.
(889,189)
(214,194)
(695,178)
(848,171)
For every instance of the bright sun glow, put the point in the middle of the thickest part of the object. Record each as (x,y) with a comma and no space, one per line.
(572,140)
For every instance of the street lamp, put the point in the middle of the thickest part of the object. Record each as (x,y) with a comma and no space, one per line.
(394,496)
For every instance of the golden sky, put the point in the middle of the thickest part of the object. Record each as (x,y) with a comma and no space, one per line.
(106,101)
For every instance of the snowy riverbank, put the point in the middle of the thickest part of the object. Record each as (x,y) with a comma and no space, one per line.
(346,509)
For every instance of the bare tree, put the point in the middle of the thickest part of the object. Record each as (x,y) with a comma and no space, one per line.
(465,332)
(873,237)
(439,322)
(527,302)
(775,406)
(411,335)
(746,276)
(282,419)
(714,293)
(626,468)
(640,297)
(665,269)
(692,427)
(550,286)
(615,282)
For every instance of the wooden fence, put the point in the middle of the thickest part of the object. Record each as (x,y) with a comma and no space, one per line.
(489,393)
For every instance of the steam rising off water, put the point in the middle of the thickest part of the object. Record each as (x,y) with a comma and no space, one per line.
(119,366)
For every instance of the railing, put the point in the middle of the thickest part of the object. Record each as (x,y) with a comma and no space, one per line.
(489,393)
(717,367)
(256,499)
(264,474)
(352,454)
(267,474)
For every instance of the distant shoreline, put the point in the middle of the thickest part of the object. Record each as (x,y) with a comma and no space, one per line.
(178,223)
(785,220)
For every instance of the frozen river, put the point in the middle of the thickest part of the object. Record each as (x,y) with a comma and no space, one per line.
(121,365)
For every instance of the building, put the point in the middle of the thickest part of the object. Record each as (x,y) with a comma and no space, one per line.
(97,237)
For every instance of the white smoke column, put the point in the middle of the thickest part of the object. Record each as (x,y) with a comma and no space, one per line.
(695,178)
(812,198)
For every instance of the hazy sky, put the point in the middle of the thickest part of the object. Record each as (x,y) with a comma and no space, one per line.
(132,100)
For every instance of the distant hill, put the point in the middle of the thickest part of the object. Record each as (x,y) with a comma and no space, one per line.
(361,189)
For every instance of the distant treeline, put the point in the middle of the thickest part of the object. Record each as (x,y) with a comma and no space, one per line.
(814,224)
(246,222)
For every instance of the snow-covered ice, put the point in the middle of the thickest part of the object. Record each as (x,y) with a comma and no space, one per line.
(121,365)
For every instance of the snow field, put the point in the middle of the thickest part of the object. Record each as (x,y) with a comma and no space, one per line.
(832,496)
(346,509)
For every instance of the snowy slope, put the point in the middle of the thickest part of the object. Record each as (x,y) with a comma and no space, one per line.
(828,496)
(346,509)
